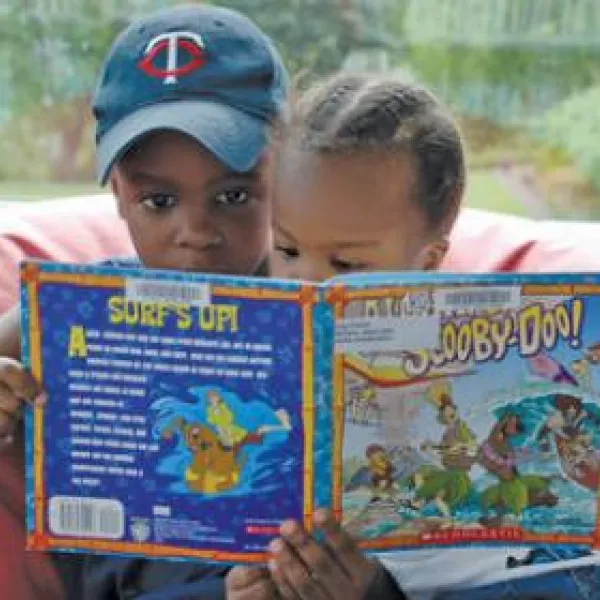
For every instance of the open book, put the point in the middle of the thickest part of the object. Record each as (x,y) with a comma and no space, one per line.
(189,415)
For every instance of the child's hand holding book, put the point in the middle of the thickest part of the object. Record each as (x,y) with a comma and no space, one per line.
(17,387)
(302,567)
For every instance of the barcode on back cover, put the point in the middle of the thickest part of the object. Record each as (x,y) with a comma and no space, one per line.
(482,297)
(87,517)
(152,290)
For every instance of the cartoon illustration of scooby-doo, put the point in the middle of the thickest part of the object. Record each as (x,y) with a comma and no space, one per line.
(214,468)
(381,471)
(217,460)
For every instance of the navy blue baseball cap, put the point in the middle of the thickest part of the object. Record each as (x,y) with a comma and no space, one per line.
(202,70)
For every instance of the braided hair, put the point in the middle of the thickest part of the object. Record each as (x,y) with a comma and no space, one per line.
(356,114)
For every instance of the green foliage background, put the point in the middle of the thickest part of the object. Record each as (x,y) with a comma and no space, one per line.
(52,50)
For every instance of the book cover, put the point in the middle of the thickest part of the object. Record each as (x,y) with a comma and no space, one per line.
(189,415)
(467,410)
(180,414)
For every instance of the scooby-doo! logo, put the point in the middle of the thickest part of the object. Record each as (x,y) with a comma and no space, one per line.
(488,336)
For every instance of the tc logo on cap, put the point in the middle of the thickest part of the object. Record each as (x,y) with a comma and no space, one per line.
(172,43)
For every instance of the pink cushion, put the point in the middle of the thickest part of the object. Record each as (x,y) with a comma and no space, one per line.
(489,242)
(83,229)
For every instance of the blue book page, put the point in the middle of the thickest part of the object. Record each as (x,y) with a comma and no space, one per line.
(466,409)
(180,412)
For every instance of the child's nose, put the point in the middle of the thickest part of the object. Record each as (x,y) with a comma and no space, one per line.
(198,233)
(309,270)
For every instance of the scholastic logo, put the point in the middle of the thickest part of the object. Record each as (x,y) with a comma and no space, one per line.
(262,530)
(184,53)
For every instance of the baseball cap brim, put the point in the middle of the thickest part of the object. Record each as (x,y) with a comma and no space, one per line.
(233,137)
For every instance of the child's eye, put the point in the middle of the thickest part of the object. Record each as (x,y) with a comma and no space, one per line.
(233,197)
(346,266)
(159,201)
(288,252)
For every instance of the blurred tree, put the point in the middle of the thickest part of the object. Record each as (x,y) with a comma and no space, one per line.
(501,59)
(574,127)
(313,36)
(51,54)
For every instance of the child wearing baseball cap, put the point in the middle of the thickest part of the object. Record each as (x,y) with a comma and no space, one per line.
(184,106)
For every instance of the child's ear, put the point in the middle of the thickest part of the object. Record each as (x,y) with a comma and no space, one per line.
(433,254)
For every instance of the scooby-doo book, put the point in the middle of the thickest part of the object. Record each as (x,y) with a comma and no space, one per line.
(189,415)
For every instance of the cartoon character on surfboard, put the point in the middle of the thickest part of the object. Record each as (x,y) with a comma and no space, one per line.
(566,426)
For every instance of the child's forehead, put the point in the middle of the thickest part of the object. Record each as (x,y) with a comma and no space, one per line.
(336,176)
(355,197)
(174,156)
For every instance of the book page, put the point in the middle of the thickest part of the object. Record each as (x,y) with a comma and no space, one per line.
(480,425)
(178,422)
